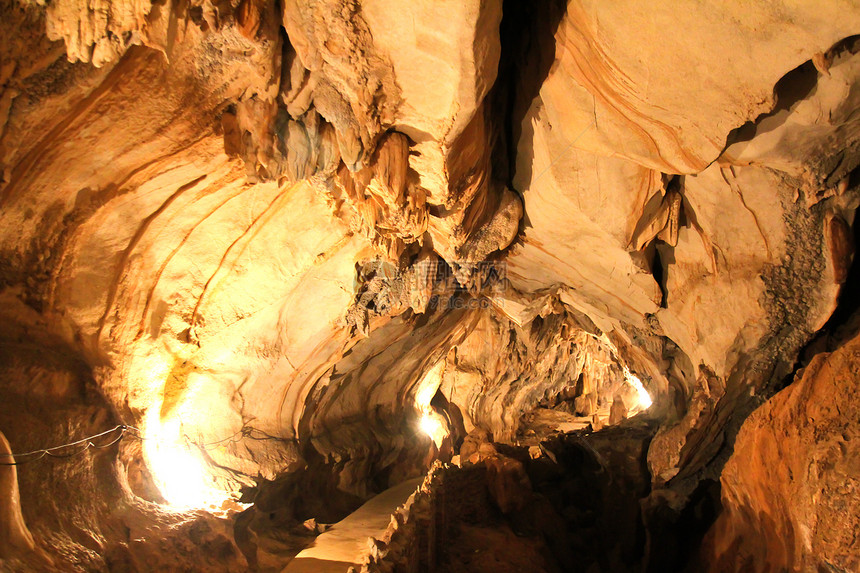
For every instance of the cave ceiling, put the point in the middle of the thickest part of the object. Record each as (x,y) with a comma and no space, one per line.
(288,227)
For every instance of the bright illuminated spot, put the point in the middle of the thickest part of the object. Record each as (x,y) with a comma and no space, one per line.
(428,386)
(179,471)
(432,424)
(644,398)
(180,477)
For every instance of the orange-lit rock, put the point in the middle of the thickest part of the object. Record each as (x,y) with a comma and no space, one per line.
(791,491)
(270,236)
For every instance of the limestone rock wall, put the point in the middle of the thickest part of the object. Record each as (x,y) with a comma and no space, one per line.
(790,490)
(270,234)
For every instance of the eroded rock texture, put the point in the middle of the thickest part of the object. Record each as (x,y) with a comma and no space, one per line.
(269,237)
(790,490)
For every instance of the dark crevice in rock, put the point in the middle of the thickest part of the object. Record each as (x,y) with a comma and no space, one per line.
(849,297)
(660,272)
(675,536)
(594,484)
(793,87)
(527,34)
(577,500)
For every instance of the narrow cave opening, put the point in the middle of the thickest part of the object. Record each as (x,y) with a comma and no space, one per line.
(527,41)
(659,271)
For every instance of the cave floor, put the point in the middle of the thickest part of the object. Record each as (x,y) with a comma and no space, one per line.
(495,548)
(539,424)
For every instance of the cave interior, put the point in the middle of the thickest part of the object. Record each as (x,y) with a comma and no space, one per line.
(440,285)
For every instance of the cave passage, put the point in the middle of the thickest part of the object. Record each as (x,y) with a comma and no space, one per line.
(434,286)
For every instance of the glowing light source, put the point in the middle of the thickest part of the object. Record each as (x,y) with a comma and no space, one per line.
(644,398)
(431,422)
(428,386)
(179,470)
(180,477)
(434,426)
(430,425)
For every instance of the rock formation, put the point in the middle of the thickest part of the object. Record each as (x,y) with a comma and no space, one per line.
(267,241)
(790,490)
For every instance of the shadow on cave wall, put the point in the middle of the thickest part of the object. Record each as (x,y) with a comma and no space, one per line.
(527,35)
(844,323)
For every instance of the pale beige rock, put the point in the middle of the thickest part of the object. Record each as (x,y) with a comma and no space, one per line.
(582,210)
(268,229)
(551,170)
(549,359)
(354,86)
(99,31)
(345,543)
(669,99)
(444,56)
(634,249)
(795,138)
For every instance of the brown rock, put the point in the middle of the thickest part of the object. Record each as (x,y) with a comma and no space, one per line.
(791,491)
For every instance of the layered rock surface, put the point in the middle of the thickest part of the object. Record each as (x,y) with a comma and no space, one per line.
(272,235)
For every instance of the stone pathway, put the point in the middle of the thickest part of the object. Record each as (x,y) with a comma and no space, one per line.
(344,544)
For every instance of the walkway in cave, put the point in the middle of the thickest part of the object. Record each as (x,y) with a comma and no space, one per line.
(345,543)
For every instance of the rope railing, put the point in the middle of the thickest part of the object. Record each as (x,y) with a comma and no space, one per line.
(57,451)
(120,430)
